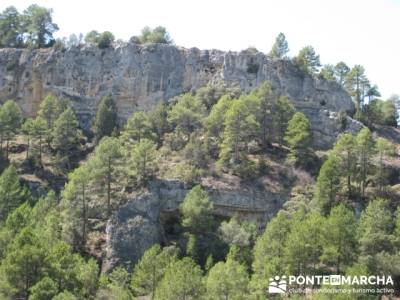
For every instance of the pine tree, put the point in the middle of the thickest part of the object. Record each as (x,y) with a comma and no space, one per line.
(187,114)
(227,280)
(137,128)
(75,198)
(182,280)
(106,120)
(340,242)
(328,183)
(384,149)
(10,122)
(159,122)
(354,83)
(197,210)
(269,253)
(304,245)
(240,125)
(65,138)
(365,150)
(283,112)
(280,48)
(50,109)
(299,138)
(375,228)
(27,129)
(143,160)
(345,148)
(150,269)
(39,133)
(12,193)
(307,60)
(341,70)
(107,168)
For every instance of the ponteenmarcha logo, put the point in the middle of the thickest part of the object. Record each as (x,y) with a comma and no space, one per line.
(280,284)
(277,285)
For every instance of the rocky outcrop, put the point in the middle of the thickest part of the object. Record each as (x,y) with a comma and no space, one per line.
(140,76)
(136,226)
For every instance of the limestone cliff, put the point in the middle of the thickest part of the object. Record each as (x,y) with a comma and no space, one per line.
(140,76)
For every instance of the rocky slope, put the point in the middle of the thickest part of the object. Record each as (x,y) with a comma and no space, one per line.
(137,225)
(140,76)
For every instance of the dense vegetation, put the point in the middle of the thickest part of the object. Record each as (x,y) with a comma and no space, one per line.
(344,220)
(46,243)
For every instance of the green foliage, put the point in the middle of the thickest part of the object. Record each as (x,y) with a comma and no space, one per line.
(11,28)
(45,289)
(102,40)
(182,280)
(227,280)
(283,111)
(375,228)
(159,123)
(210,94)
(328,72)
(138,127)
(384,149)
(268,253)
(356,81)
(75,198)
(143,161)
(65,139)
(328,183)
(280,48)
(39,26)
(150,269)
(345,149)
(157,35)
(341,70)
(107,169)
(298,137)
(340,243)
(304,245)
(197,210)
(12,193)
(33,28)
(10,122)
(187,114)
(106,120)
(365,146)
(307,60)
(240,124)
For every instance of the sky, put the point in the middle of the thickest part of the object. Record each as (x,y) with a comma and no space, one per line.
(365,32)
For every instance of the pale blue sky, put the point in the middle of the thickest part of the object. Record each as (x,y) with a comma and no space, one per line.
(363,32)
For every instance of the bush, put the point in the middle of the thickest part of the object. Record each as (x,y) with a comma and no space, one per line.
(158,35)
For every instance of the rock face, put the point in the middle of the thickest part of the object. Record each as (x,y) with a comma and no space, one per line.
(136,226)
(140,76)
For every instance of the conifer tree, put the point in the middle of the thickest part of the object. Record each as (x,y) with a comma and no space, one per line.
(12,193)
(182,280)
(280,47)
(298,137)
(106,120)
(197,210)
(65,138)
(340,241)
(143,159)
(365,150)
(227,280)
(10,122)
(107,168)
(345,148)
(150,269)
(137,128)
(328,183)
